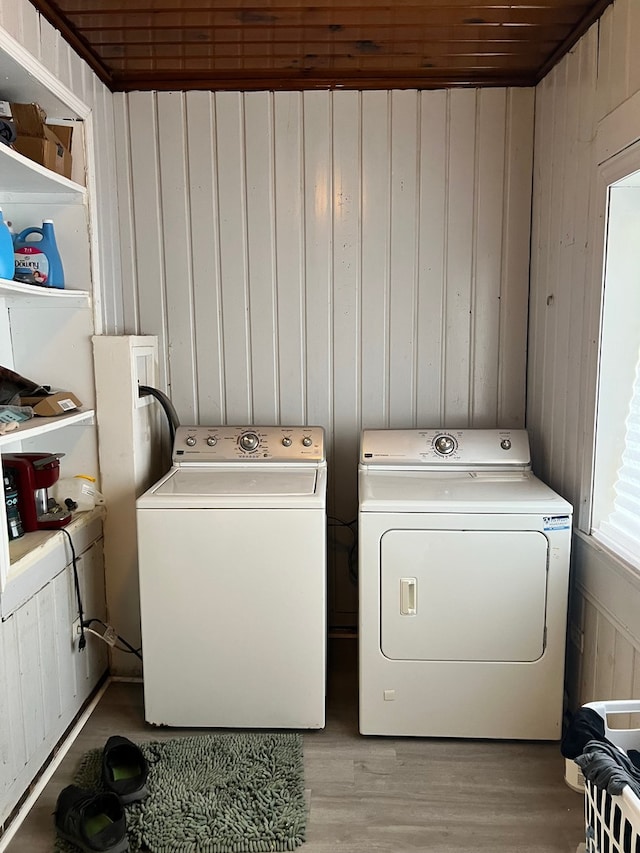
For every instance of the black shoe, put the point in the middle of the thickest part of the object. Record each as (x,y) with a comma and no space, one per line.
(93,822)
(124,769)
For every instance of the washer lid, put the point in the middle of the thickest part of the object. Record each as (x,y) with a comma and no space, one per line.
(457,491)
(237,486)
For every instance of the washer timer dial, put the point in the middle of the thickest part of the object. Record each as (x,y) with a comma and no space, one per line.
(444,445)
(249,442)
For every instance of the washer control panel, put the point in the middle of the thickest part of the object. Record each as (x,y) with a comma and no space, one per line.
(210,444)
(465,449)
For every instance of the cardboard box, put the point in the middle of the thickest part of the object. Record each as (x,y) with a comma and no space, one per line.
(55,403)
(41,142)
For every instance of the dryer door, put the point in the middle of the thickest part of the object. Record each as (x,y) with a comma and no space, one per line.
(463,595)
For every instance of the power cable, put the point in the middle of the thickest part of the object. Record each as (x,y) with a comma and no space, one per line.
(86,623)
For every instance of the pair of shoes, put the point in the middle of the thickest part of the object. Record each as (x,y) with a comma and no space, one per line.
(95,821)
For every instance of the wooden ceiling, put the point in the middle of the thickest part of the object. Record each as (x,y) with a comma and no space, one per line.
(289,44)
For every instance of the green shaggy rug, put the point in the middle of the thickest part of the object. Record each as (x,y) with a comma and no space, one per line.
(217,793)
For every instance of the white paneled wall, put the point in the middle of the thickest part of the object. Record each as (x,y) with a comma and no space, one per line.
(344,259)
(582,116)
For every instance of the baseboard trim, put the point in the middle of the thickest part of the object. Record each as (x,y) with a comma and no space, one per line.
(61,750)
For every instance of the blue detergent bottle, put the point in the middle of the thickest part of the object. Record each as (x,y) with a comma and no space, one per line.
(6,250)
(38,261)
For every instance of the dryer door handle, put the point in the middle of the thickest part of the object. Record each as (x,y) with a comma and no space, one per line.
(408,596)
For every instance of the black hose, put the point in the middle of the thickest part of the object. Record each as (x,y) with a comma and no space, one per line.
(169,410)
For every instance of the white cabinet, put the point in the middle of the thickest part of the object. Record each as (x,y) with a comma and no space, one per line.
(45,334)
(44,679)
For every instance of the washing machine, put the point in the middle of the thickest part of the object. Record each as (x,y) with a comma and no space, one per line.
(463,586)
(232,568)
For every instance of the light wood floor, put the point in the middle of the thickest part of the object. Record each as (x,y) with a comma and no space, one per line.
(378,794)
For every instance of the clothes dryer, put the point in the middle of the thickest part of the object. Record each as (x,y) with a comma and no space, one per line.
(232,566)
(463,586)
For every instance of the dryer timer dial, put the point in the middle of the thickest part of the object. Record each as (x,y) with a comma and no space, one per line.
(444,445)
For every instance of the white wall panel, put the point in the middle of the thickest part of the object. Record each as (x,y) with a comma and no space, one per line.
(582,116)
(290,297)
(376,228)
(263,255)
(234,251)
(432,269)
(205,249)
(403,253)
(516,236)
(487,248)
(461,209)
(142,148)
(561,238)
(173,251)
(357,259)
(319,242)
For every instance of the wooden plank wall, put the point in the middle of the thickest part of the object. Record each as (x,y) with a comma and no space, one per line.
(345,259)
(43,682)
(580,99)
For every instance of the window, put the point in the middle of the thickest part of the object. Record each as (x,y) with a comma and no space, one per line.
(615,518)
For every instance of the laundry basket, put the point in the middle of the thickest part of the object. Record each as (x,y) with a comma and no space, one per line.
(613,823)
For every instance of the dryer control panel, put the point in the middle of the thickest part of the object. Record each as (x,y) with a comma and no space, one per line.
(204,445)
(462,449)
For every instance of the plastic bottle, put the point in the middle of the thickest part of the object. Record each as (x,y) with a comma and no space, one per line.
(80,490)
(38,261)
(6,250)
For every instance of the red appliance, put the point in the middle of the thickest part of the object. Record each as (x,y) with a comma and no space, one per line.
(34,474)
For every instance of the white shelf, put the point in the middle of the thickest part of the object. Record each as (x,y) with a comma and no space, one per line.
(39,426)
(20,175)
(18,293)
(43,540)
(26,80)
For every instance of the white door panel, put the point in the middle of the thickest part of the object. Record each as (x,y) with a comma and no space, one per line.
(464,595)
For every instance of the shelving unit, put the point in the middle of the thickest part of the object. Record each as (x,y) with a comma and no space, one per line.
(48,347)
(46,337)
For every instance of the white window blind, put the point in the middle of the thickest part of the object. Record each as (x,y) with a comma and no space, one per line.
(621,529)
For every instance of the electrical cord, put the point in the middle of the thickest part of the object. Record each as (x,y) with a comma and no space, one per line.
(129,648)
(82,642)
(86,623)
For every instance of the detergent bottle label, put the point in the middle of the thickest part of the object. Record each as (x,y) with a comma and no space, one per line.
(32,265)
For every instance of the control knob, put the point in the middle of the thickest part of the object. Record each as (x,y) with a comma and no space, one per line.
(286,441)
(249,442)
(212,441)
(505,444)
(190,440)
(444,444)
(307,441)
